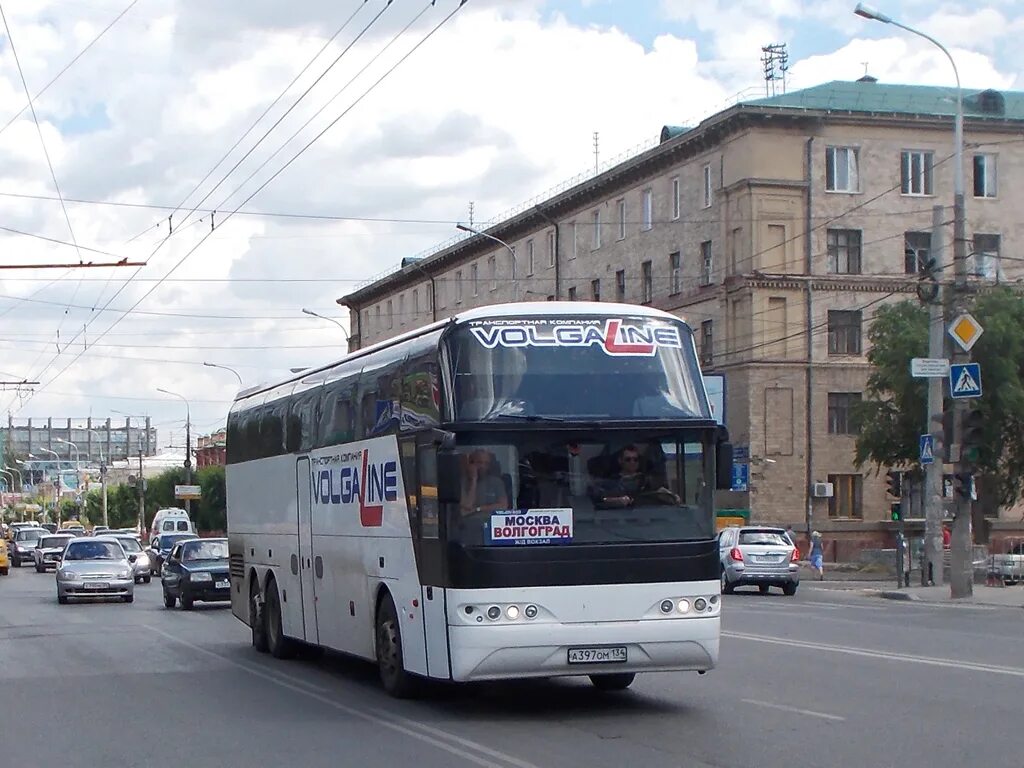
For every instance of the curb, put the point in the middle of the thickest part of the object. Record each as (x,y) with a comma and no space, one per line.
(889,595)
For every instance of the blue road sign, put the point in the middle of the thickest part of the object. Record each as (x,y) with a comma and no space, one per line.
(926,450)
(740,477)
(965,380)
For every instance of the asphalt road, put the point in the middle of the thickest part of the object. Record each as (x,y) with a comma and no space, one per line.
(822,679)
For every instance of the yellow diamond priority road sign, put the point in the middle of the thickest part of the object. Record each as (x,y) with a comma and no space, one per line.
(965,330)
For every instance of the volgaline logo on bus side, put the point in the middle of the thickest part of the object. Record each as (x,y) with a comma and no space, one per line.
(369,484)
(614,339)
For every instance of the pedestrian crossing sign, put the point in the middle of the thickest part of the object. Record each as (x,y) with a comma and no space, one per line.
(927,449)
(965,380)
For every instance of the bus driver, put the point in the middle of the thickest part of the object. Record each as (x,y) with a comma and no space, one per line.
(483,490)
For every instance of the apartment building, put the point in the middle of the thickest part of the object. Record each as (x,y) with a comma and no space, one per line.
(776,228)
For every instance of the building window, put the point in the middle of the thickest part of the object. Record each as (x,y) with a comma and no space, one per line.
(530,256)
(492,271)
(391,315)
(429,290)
(401,309)
(415,301)
(844,332)
(596,218)
(572,293)
(675,273)
(707,342)
(595,290)
(916,172)
(676,202)
(986,256)
(575,240)
(647,199)
(376,324)
(846,496)
(844,251)
(365,329)
(841,169)
(458,286)
(474,278)
(620,285)
(840,412)
(915,251)
(707,186)
(551,248)
(984,175)
(620,206)
(646,282)
(706,263)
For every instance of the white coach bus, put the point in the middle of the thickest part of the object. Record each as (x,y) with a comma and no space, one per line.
(522,490)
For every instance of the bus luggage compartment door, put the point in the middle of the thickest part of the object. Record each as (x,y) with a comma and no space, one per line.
(435,627)
(306,575)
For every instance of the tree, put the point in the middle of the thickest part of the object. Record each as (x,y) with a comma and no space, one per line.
(212,512)
(892,416)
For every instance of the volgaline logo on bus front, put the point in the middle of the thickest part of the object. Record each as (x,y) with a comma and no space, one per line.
(614,338)
(534,526)
(368,484)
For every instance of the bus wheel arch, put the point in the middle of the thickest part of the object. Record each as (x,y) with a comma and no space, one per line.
(279,645)
(387,640)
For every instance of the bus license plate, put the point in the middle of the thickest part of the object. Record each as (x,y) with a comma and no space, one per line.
(600,655)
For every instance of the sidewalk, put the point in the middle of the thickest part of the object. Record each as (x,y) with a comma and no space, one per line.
(1004,597)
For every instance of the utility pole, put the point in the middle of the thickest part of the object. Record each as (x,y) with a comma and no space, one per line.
(931,567)
(188,459)
(103,484)
(142,494)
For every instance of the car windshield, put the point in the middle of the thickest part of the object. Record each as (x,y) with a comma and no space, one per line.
(206,550)
(767,538)
(93,550)
(130,544)
(167,542)
(28,537)
(53,542)
(534,489)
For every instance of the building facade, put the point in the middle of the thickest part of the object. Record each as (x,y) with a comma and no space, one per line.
(87,440)
(776,229)
(211,450)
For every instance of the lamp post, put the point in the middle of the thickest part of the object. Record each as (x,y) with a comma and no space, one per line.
(188,443)
(56,485)
(499,241)
(103,481)
(226,368)
(337,322)
(78,468)
(961,576)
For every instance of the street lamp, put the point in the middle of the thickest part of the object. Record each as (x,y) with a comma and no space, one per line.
(21,477)
(936,337)
(78,466)
(226,368)
(499,241)
(188,442)
(311,313)
(56,485)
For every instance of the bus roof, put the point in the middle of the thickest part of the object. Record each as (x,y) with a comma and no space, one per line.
(520,309)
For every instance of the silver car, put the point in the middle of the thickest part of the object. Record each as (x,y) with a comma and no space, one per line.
(758,555)
(95,567)
(49,549)
(131,545)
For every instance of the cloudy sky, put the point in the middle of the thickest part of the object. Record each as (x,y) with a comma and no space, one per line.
(495,107)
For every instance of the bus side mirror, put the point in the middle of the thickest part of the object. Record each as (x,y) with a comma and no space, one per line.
(723,466)
(449,484)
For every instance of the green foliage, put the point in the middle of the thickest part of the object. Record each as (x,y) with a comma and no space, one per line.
(212,512)
(892,415)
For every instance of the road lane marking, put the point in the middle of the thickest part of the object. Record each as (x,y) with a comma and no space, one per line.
(887,655)
(796,710)
(380,717)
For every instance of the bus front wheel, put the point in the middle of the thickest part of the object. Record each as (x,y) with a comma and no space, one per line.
(618,681)
(395,679)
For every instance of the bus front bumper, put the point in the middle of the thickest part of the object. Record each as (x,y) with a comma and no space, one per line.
(544,649)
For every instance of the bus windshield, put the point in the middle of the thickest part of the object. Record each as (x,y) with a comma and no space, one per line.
(532,489)
(575,368)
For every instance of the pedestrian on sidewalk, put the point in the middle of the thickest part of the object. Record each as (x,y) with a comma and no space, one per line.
(817,555)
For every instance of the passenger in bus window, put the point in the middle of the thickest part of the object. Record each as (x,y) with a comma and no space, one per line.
(483,488)
(631,484)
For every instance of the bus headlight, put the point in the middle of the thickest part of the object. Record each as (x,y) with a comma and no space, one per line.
(683,606)
(700,604)
(530,612)
(512,612)
(494,613)
(666,606)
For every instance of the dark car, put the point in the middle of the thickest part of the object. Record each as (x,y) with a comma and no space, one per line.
(23,547)
(197,569)
(161,548)
(51,527)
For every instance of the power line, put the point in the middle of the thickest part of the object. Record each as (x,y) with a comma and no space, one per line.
(68,66)
(75,245)
(158,313)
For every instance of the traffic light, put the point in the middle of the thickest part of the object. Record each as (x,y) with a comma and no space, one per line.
(942,427)
(963,485)
(894,483)
(973,426)
(927,285)
(896,511)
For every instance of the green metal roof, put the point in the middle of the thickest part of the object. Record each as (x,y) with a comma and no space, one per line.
(874,97)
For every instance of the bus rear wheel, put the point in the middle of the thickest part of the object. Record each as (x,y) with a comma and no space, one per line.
(280,647)
(257,618)
(393,677)
(617,681)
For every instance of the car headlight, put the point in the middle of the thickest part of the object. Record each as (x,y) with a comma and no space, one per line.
(202,576)
(65,574)
(125,574)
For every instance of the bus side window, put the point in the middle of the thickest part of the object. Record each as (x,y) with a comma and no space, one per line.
(427,469)
(337,417)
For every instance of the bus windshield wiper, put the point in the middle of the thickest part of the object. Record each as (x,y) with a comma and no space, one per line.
(526,417)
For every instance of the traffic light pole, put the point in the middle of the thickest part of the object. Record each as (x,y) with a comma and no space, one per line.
(931,567)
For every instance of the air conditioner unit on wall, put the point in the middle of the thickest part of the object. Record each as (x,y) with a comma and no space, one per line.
(822,490)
